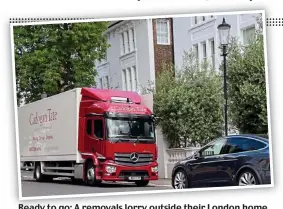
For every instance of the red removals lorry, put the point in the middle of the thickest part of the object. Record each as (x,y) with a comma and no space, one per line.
(89,134)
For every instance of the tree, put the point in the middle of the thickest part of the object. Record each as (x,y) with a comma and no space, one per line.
(247,86)
(189,106)
(54,58)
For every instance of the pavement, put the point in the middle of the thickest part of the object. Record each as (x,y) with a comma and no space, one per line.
(64,186)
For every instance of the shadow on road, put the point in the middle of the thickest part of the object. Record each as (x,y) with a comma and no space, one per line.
(102,185)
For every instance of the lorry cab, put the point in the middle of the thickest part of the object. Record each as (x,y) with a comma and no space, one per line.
(117,137)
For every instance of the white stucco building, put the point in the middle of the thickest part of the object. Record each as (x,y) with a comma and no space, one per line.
(200,33)
(133,57)
(140,47)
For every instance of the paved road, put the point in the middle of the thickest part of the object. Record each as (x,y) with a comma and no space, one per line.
(31,188)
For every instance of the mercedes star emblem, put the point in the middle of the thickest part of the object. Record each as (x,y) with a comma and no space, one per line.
(134,157)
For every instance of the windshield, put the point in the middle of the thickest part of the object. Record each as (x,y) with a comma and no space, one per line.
(137,129)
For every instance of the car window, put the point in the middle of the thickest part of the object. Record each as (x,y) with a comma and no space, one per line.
(241,144)
(213,148)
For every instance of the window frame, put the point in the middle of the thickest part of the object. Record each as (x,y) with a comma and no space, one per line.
(124,79)
(223,151)
(127,43)
(212,52)
(123,44)
(246,138)
(133,41)
(211,143)
(158,32)
(135,75)
(107,81)
(102,128)
(204,50)
(101,83)
(91,127)
(130,85)
(195,20)
(243,31)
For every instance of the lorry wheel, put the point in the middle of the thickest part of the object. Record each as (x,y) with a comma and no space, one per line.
(90,174)
(39,176)
(142,183)
(37,173)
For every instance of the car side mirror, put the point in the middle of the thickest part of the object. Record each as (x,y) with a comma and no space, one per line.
(197,155)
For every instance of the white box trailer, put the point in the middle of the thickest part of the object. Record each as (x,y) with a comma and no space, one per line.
(48,128)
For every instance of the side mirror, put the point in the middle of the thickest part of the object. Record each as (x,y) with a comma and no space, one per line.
(197,155)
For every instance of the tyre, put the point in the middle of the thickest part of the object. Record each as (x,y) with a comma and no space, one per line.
(180,180)
(90,178)
(247,178)
(142,183)
(37,173)
(39,176)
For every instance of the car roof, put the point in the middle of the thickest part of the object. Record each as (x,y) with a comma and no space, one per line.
(262,137)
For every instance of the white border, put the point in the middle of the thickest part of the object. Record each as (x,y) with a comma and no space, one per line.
(140,192)
(16,113)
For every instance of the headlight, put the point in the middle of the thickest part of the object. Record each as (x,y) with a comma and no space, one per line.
(110,169)
(154,169)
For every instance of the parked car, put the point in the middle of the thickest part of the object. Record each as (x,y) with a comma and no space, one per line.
(233,160)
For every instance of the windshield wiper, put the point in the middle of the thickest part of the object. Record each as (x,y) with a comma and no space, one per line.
(120,139)
(137,139)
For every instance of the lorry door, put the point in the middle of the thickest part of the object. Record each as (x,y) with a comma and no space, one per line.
(95,134)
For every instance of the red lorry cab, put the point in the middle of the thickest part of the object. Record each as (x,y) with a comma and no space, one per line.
(117,133)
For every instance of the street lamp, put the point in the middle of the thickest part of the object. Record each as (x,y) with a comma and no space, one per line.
(224,32)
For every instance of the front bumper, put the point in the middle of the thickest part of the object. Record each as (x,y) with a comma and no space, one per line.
(111,171)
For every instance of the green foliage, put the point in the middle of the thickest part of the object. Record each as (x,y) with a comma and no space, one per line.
(56,58)
(247,86)
(189,105)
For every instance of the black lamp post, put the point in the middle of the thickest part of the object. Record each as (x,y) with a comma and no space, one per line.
(224,33)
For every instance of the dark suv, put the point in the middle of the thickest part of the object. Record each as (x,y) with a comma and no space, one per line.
(233,160)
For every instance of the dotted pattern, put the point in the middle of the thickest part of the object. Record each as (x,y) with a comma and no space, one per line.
(274,21)
(269,21)
(27,20)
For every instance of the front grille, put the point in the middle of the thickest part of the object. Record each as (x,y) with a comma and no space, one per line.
(126,174)
(125,159)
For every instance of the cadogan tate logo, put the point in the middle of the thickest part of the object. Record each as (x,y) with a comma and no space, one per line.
(37,118)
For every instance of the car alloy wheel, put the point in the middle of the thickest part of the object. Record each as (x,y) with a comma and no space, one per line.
(180,180)
(247,178)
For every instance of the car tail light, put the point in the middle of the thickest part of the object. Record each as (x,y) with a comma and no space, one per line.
(265,164)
